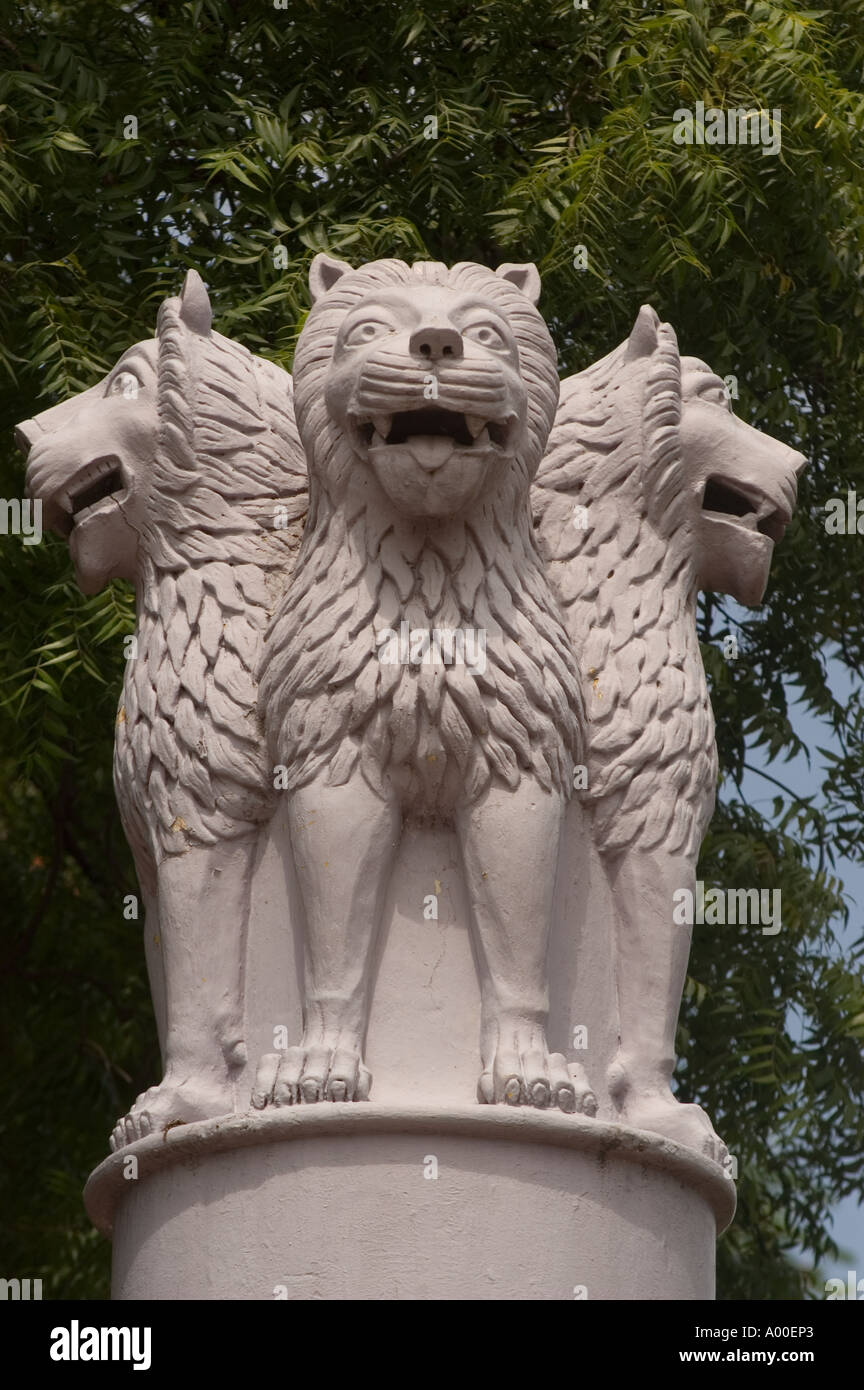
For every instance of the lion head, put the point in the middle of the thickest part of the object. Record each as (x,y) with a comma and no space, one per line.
(719,490)
(424,371)
(650,490)
(424,397)
(182,472)
(188,437)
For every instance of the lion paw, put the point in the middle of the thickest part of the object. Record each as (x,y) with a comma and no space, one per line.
(304,1075)
(524,1072)
(172,1103)
(686,1123)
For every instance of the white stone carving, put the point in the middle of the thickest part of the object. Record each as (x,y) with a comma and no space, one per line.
(426,657)
(424,398)
(169,474)
(649,491)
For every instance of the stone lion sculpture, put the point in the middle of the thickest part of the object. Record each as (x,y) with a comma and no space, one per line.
(175,473)
(425,655)
(649,491)
(424,397)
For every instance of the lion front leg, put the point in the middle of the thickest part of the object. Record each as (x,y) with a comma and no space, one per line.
(344,840)
(509,842)
(203,913)
(652,950)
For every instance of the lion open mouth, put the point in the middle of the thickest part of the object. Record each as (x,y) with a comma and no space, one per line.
(432,422)
(99,480)
(753,510)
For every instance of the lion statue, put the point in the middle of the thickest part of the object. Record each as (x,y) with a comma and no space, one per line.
(182,472)
(424,397)
(418,652)
(649,491)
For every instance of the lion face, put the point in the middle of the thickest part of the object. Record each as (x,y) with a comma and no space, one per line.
(425,382)
(177,458)
(88,460)
(724,488)
(743,487)
(436,386)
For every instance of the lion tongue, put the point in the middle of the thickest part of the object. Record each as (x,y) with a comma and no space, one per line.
(429,450)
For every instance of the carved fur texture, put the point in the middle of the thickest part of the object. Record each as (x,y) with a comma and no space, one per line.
(439,733)
(625,573)
(224,513)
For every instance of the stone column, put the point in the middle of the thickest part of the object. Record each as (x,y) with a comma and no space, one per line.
(385,1202)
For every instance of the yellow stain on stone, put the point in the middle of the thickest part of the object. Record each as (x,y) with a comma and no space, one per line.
(121,715)
(437,885)
(179,824)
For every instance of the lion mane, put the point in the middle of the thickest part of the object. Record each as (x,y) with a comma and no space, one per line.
(624,571)
(445,730)
(226,501)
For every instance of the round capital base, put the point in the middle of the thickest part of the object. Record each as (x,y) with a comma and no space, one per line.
(363,1201)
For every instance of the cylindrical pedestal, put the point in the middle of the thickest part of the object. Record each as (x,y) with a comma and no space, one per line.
(365,1201)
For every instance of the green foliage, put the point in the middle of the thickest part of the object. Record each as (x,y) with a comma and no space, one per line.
(306,129)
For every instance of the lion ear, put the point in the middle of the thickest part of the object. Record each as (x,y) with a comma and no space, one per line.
(195,308)
(643,336)
(525,277)
(323,274)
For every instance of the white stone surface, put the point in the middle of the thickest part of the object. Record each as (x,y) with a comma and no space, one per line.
(332,1203)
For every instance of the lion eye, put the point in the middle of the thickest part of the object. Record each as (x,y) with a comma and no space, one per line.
(366,332)
(125,384)
(486,334)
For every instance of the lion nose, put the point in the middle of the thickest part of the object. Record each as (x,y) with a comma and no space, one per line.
(26,435)
(435,341)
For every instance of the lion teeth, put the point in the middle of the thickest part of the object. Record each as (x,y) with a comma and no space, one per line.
(476,424)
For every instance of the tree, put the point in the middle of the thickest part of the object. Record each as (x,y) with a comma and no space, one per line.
(138,140)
